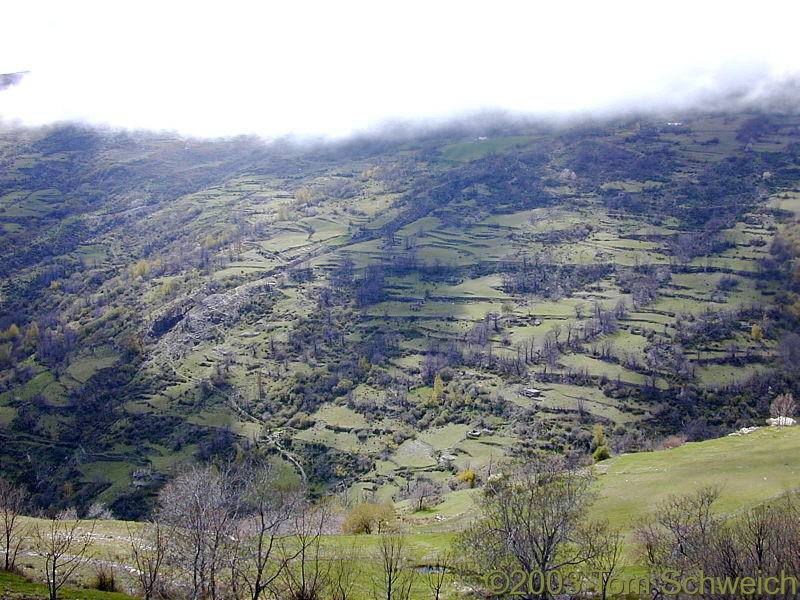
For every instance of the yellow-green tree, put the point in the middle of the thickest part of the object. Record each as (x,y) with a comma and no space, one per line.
(303,195)
(132,343)
(438,389)
(11,333)
(598,436)
(369,518)
(364,365)
(600,449)
(32,335)
(756,333)
(141,267)
(466,476)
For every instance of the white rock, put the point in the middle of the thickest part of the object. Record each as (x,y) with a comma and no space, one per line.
(781,422)
(743,431)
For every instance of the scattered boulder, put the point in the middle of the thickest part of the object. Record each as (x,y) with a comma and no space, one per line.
(742,431)
(781,422)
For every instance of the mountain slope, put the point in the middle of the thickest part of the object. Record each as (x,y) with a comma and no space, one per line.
(376,310)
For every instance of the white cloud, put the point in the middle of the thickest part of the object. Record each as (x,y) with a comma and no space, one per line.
(272,68)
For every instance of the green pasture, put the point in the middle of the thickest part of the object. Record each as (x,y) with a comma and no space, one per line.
(748,470)
(598,368)
(85,366)
(340,417)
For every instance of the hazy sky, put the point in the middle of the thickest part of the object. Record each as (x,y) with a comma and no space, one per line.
(329,68)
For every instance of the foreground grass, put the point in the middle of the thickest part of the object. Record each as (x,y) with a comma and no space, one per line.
(19,588)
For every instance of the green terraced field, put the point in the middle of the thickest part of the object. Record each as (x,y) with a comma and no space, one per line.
(228,295)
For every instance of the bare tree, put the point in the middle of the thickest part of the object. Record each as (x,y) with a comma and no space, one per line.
(678,535)
(579,308)
(201,505)
(307,574)
(13,500)
(609,559)
(423,492)
(783,406)
(267,509)
(343,572)
(533,518)
(683,538)
(550,351)
(438,574)
(149,549)
(64,547)
(394,581)
(789,351)
(556,333)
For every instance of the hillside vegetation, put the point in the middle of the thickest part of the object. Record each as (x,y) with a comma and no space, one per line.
(379,311)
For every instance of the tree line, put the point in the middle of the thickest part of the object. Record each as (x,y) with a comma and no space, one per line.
(221,532)
(245,531)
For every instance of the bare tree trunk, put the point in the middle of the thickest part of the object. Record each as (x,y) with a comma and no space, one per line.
(149,551)
(64,548)
(201,504)
(394,581)
(13,500)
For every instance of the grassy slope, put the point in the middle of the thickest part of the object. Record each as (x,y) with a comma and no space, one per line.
(748,470)
(16,586)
